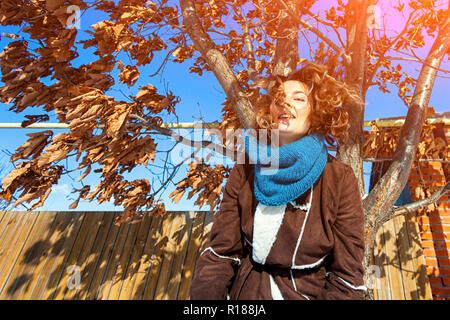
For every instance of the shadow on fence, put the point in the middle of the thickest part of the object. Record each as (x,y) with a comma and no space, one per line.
(83,255)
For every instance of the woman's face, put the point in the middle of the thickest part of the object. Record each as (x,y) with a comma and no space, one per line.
(293,118)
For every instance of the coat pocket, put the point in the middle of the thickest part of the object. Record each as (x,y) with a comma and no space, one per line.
(241,277)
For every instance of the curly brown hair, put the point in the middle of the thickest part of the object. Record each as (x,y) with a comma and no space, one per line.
(326,96)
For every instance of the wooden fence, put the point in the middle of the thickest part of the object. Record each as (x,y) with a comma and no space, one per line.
(83,255)
(400,272)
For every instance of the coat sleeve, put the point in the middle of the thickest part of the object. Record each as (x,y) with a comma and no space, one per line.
(217,264)
(345,268)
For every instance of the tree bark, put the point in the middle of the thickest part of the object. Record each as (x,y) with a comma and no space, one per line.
(350,152)
(286,50)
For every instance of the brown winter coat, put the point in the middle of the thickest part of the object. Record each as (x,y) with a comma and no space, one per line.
(329,255)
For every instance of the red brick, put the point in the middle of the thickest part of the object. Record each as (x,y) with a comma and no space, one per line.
(432,219)
(431,262)
(440,290)
(437,281)
(445,220)
(435,164)
(435,244)
(428,244)
(434,214)
(440,228)
(425,227)
(446,281)
(444,262)
(438,271)
(439,183)
(445,205)
(436,252)
(435,235)
(427,211)
(429,170)
(426,177)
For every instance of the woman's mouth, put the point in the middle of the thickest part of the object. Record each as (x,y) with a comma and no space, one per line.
(285,118)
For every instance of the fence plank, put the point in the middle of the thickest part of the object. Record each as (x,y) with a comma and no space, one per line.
(65,282)
(7,227)
(103,262)
(135,258)
(84,248)
(384,259)
(148,258)
(121,268)
(209,219)
(30,256)
(5,216)
(379,277)
(58,267)
(394,264)
(89,265)
(191,256)
(49,250)
(180,256)
(423,283)
(161,292)
(405,256)
(155,258)
(158,257)
(112,262)
(62,239)
(15,245)
(14,225)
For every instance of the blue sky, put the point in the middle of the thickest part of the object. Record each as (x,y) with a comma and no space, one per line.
(200,96)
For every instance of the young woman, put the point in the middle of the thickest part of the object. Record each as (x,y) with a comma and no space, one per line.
(297,233)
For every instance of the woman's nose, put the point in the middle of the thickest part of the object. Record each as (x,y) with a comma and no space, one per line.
(285,107)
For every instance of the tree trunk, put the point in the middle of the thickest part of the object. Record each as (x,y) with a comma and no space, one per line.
(389,187)
(378,204)
(350,152)
(286,50)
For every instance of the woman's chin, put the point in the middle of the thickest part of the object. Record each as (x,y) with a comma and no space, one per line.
(283,128)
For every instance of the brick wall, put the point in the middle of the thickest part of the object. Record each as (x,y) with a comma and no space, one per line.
(434,226)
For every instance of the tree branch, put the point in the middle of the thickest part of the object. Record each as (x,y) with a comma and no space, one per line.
(218,64)
(382,57)
(333,26)
(410,207)
(174,171)
(167,132)
(251,61)
(424,202)
(317,32)
(417,60)
(286,48)
(388,188)
(250,54)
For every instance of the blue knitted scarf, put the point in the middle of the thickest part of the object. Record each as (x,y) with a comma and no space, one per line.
(300,164)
